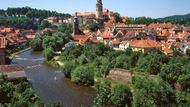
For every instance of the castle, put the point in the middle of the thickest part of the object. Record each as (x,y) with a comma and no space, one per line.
(100,14)
(99,9)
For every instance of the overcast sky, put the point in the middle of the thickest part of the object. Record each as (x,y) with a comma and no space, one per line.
(131,8)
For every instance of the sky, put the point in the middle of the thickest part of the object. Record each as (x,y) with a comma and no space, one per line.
(131,8)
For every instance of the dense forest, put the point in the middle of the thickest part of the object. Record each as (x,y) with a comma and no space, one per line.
(177,19)
(31,12)
(26,17)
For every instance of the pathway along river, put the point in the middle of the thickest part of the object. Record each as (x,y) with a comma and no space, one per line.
(51,90)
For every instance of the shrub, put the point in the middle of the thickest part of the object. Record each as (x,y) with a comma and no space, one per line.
(68,67)
(48,53)
(83,75)
(103,89)
(121,96)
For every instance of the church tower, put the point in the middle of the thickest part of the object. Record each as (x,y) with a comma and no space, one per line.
(99,9)
(75,24)
(76,30)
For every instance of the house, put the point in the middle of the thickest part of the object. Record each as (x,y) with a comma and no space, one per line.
(184,46)
(85,17)
(177,29)
(14,39)
(124,18)
(78,36)
(131,27)
(107,34)
(81,39)
(6,30)
(30,37)
(124,45)
(182,37)
(52,20)
(115,44)
(95,40)
(13,72)
(163,35)
(144,45)
(3,44)
(161,26)
(166,49)
(110,23)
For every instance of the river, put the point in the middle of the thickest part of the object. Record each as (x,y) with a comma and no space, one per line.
(50,84)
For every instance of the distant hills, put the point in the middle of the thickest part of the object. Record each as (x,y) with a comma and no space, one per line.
(177,19)
(31,12)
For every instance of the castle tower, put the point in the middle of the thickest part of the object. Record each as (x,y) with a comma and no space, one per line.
(75,24)
(76,30)
(99,9)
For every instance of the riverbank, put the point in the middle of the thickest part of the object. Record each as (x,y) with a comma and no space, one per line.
(50,90)
(14,55)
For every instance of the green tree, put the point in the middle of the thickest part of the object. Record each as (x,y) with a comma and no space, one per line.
(183,80)
(117,17)
(44,24)
(103,89)
(122,62)
(183,99)
(171,73)
(83,75)
(121,96)
(104,66)
(48,54)
(188,52)
(92,26)
(152,93)
(36,44)
(68,67)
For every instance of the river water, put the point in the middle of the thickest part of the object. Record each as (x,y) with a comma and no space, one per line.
(50,84)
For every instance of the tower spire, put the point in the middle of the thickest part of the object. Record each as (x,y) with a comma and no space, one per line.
(76,30)
(75,24)
(99,9)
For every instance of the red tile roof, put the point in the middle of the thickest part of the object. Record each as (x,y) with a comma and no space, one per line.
(147,43)
(110,23)
(161,25)
(115,42)
(164,33)
(6,30)
(94,40)
(181,35)
(80,38)
(85,14)
(13,38)
(30,36)
(17,31)
(107,34)
(166,48)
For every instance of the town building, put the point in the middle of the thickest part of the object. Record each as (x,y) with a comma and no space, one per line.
(161,26)
(3,44)
(144,45)
(52,20)
(78,36)
(131,27)
(13,72)
(99,16)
